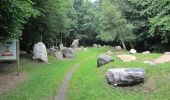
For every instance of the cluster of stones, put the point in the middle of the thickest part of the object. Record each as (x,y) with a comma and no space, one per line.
(40,51)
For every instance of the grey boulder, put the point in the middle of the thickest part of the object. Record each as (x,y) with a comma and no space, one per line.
(125,76)
(40,52)
(68,53)
(104,59)
(75,43)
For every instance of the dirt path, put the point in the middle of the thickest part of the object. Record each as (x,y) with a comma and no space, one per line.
(62,92)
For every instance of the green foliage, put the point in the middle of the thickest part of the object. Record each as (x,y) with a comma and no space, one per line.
(113,24)
(13,15)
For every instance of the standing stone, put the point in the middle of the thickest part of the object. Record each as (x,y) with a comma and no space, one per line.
(95,45)
(133,51)
(99,46)
(75,43)
(103,59)
(118,47)
(125,76)
(146,52)
(68,53)
(40,52)
(59,55)
(61,47)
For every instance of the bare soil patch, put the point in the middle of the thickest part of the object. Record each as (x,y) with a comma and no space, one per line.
(10,80)
(162,59)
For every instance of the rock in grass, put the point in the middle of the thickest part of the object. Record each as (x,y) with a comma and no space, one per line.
(59,55)
(126,58)
(149,62)
(133,51)
(167,53)
(95,45)
(40,52)
(118,47)
(104,59)
(146,52)
(99,46)
(68,53)
(125,76)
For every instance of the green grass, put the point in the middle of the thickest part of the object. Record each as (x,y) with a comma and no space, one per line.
(89,82)
(43,79)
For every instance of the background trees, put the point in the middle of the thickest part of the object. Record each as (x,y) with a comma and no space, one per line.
(131,23)
(13,15)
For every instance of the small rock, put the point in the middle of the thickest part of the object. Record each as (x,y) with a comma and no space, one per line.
(149,62)
(109,52)
(118,47)
(85,49)
(77,49)
(125,76)
(167,53)
(95,45)
(104,59)
(99,46)
(133,51)
(22,52)
(59,55)
(146,52)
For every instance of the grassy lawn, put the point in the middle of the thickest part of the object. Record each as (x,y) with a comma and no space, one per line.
(88,82)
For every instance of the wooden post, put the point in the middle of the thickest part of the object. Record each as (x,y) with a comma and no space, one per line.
(17,56)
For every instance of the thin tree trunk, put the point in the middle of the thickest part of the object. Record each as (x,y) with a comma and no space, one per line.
(56,42)
(123,44)
(61,38)
(131,45)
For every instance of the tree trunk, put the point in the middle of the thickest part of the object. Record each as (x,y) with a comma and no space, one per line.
(61,38)
(123,44)
(56,42)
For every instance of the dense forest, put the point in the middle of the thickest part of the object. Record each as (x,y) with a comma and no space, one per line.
(139,24)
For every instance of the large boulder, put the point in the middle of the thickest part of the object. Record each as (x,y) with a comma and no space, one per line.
(118,47)
(40,52)
(68,53)
(104,59)
(59,55)
(125,76)
(146,52)
(126,58)
(133,51)
(75,43)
